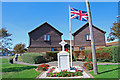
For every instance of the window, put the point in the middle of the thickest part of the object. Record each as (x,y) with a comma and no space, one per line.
(88,37)
(47,37)
(81,48)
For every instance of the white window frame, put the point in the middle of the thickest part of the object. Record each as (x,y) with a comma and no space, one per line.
(88,37)
(46,37)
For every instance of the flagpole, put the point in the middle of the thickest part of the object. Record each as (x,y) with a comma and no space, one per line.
(70,35)
(92,39)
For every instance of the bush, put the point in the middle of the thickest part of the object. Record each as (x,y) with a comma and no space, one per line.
(51,55)
(33,58)
(88,65)
(79,55)
(76,53)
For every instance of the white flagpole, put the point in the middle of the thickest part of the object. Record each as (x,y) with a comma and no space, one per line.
(70,35)
(92,39)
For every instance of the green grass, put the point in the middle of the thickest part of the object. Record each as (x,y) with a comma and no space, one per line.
(18,70)
(106,71)
(3,60)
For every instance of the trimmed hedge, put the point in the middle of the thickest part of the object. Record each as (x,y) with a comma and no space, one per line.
(107,54)
(116,54)
(33,58)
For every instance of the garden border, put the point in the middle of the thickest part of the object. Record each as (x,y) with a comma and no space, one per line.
(38,77)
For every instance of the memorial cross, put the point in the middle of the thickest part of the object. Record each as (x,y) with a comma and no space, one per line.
(63,43)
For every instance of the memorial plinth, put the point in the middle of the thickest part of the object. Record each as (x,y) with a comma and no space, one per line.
(63,58)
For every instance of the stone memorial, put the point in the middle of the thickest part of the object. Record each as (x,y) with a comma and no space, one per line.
(63,58)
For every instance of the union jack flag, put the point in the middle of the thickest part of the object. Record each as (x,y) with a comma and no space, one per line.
(78,14)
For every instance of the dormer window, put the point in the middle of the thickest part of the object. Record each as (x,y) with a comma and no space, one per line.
(88,37)
(46,37)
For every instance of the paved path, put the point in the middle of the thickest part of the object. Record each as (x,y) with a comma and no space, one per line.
(55,63)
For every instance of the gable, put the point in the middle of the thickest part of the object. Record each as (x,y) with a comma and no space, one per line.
(44,29)
(40,27)
(85,26)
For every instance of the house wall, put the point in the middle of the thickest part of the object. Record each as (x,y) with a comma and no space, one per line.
(77,48)
(41,49)
(80,38)
(37,39)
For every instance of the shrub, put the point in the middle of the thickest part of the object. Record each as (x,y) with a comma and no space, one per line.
(88,65)
(51,55)
(76,53)
(33,58)
(79,55)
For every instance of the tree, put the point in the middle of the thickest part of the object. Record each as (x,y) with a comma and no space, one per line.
(115,32)
(5,40)
(19,48)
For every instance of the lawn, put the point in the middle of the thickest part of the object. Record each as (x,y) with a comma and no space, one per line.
(3,60)
(25,71)
(107,71)
(18,70)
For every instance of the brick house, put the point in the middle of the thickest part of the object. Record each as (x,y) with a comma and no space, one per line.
(44,38)
(82,39)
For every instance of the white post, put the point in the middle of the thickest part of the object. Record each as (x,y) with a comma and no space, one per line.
(70,35)
(92,39)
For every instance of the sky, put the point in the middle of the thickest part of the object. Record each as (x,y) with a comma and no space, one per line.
(19,18)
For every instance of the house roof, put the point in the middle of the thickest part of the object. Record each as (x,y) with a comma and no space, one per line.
(44,24)
(84,26)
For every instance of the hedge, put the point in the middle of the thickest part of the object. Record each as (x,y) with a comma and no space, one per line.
(116,54)
(107,54)
(33,58)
